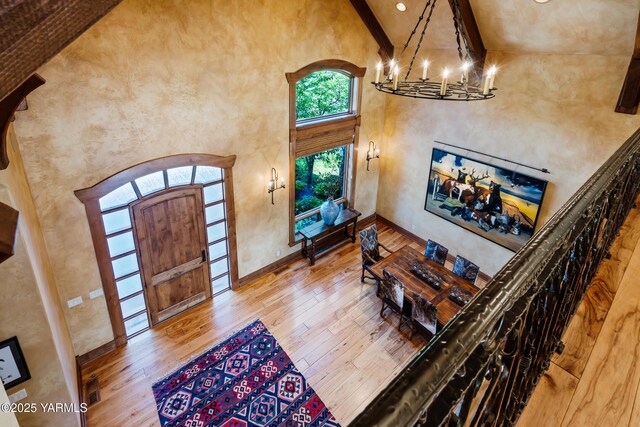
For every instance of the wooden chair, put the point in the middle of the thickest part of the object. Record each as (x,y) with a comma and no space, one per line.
(436,252)
(424,315)
(466,269)
(370,248)
(392,293)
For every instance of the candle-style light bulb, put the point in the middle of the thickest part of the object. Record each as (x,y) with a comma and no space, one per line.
(488,81)
(281,182)
(377,153)
(425,68)
(378,71)
(492,76)
(392,65)
(485,89)
(396,71)
(272,185)
(465,71)
(443,86)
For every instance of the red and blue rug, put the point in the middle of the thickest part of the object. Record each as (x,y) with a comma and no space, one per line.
(247,380)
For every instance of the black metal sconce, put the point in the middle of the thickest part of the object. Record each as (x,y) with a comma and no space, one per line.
(273,183)
(372,153)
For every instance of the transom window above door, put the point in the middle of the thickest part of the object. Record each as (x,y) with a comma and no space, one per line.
(112,203)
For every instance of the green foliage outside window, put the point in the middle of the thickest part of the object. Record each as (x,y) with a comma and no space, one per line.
(318,177)
(321,175)
(322,93)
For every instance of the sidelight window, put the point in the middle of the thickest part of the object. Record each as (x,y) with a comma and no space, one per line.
(122,247)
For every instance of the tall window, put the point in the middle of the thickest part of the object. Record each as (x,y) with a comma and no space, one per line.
(324,123)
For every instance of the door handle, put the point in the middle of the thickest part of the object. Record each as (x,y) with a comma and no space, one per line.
(204,255)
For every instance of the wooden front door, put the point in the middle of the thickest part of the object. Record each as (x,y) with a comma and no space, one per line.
(172,243)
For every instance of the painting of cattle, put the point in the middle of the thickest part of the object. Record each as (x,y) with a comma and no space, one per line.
(494,202)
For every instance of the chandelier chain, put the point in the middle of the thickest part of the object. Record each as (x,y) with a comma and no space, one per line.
(456,25)
(426,24)
(416,27)
(459,26)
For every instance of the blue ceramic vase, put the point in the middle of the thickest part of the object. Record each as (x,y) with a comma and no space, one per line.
(329,211)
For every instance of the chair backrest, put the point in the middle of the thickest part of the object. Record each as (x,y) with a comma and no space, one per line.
(369,243)
(392,288)
(436,252)
(424,312)
(466,269)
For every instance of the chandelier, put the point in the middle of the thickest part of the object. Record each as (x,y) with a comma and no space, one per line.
(469,87)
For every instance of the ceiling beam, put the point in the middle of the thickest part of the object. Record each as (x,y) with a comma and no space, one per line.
(369,19)
(34,31)
(467,21)
(630,93)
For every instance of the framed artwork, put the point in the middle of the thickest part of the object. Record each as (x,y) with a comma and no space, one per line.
(13,366)
(496,203)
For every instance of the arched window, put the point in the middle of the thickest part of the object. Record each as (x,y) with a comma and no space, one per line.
(129,274)
(324,99)
(323,94)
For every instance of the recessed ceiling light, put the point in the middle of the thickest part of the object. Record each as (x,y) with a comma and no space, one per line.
(402,7)
(542,1)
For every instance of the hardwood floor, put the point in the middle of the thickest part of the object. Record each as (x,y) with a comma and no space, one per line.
(595,382)
(328,323)
(326,320)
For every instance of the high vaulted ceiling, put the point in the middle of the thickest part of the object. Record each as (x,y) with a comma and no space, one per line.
(602,27)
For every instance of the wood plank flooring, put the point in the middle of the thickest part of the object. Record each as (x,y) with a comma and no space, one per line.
(595,382)
(328,323)
(326,320)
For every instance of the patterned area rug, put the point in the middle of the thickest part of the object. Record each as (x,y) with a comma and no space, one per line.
(247,380)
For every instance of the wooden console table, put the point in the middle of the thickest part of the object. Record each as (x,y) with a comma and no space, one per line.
(319,237)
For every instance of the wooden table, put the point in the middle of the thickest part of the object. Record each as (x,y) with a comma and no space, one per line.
(320,237)
(400,262)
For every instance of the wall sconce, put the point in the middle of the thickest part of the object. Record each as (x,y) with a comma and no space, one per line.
(273,183)
(373,153)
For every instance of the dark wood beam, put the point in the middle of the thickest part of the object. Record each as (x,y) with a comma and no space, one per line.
(33,31)
(8,107)
(369,19)
(467,21)
(8,229)
(630,93)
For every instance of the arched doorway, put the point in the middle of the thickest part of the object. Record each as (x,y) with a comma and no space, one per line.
(164,236)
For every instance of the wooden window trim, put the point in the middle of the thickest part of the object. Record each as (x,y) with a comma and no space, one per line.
(310,127)
(89,197)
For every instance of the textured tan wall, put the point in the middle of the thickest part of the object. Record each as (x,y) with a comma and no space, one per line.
(552,111)
(23,315)
(564,27)
(155,78)
(7,419)
(31,309)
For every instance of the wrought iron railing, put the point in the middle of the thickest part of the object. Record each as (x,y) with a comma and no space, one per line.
(481,369)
